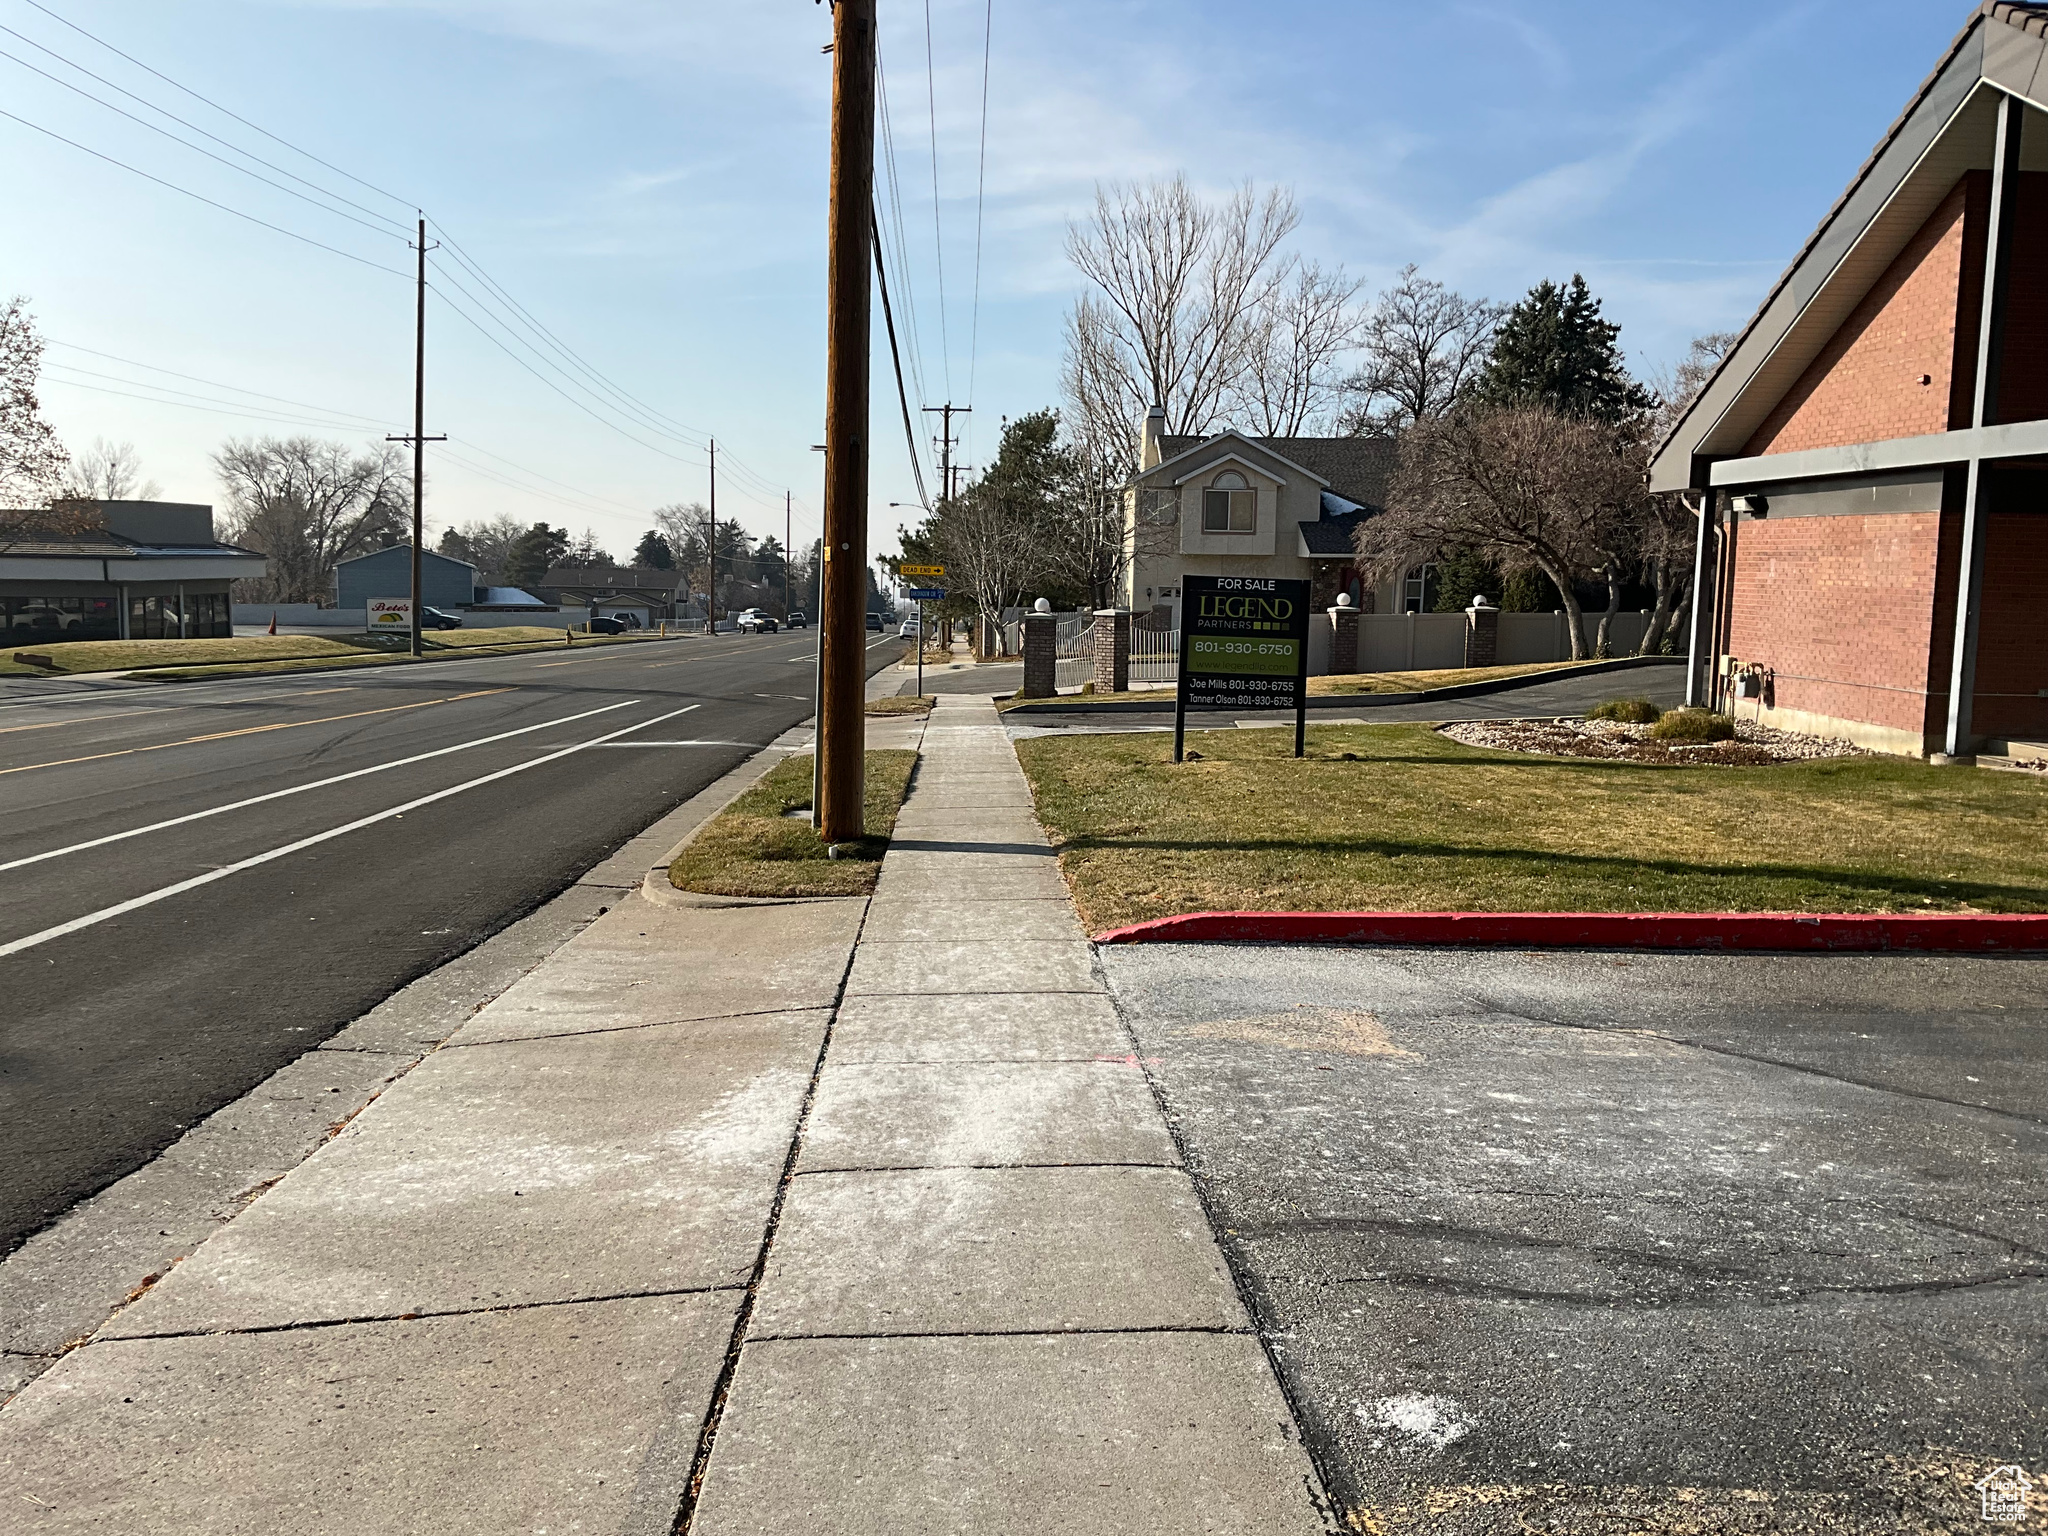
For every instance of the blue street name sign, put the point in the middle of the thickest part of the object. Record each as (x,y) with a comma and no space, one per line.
(927,594)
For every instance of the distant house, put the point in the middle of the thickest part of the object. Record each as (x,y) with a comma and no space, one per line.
(1234,505)
(444,582)
(612,591)
(152,570)
(1872,452)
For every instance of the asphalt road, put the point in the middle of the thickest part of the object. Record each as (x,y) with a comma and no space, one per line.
(1584,1242)
(206,880)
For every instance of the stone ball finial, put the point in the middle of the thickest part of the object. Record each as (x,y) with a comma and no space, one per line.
(1343,599)
(1479,602)
(1043,605)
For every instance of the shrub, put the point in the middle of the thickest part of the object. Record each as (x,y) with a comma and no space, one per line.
(1694,725)
(1627,711)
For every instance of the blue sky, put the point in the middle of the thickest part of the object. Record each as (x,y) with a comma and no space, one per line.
(646,177)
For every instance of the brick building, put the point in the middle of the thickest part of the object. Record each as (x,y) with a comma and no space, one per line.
(1871,455)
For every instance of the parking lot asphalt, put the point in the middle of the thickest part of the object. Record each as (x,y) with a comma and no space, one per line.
(1588,1242)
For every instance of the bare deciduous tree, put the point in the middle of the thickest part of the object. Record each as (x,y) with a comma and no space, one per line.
(1670,527)
(109,472)
(489,542)
(1180,282)
(308,505)
(1524,486)
(1296,340)
(1423,344)
(32,460)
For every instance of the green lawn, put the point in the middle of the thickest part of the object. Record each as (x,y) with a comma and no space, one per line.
(243,655)
(754,847)
(1413,821)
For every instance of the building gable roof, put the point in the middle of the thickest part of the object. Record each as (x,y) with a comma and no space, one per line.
(1356,468)
(1943,133)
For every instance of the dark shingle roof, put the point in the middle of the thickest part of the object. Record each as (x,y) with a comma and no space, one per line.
(1357,468)
(1332,536)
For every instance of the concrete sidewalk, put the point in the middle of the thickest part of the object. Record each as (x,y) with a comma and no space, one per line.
(855,1215)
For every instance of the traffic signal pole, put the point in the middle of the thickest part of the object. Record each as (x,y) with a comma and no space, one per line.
(842,640)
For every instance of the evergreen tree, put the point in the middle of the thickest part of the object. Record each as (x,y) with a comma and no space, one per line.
(456,547)
(1554,349)
(653,552)
(534,552)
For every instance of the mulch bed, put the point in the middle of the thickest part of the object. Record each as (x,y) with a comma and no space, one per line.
(1754,746)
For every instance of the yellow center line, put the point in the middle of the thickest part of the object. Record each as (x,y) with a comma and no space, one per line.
(256,730)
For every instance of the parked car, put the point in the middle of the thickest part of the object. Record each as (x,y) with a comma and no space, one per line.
(755,621)
(797,619)
(874,621)
(434,618)
(603,625)
(908,630)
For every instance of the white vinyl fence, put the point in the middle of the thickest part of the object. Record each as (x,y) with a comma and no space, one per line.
(1422,642)
(1155,655)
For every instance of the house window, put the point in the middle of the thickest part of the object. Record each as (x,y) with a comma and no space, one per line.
(1229,505)
(1418,589)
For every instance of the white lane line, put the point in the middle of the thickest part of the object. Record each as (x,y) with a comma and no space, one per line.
(163,893)
(300,789)
(751,746)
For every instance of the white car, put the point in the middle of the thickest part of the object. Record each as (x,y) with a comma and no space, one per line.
(756,621)
(908,631)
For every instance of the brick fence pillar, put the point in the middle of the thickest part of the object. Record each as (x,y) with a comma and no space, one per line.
(1112,650)
(1343,637)
(1482,633)
(1041,654)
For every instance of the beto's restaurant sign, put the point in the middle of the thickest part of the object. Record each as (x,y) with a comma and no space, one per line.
(389,613)
(1243,645)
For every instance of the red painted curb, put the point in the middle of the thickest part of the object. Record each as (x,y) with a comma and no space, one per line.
(1598,930)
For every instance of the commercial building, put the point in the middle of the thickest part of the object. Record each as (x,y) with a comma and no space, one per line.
(385,573)
(1871,457)
(150,570)
(618,591)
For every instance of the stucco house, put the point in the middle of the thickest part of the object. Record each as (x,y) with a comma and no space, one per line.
(1234,505)
(1871,456)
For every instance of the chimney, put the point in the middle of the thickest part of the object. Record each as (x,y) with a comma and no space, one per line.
(1150,453)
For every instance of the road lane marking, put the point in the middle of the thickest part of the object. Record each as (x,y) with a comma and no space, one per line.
(51,725)
(255,730)
(754,745)
(163,893)
(300,789)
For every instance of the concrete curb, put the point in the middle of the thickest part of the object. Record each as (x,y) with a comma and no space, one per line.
(1073,705)
(1932,934)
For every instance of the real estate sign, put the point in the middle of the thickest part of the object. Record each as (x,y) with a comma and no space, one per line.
(390,613)
(1243,645)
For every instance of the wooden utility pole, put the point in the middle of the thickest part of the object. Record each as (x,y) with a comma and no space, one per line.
(785,556)
(419,438)
(946,466)
(711,551)
(842,643)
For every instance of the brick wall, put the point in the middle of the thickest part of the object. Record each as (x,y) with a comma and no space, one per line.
(2023,366)
(1840,608)
(1866,383)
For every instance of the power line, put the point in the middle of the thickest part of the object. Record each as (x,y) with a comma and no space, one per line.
(980,190)
(224,143)
(197,197)
(191,378)
(223,409)
(405,202)
(893,181)
(931,80)
(889,320)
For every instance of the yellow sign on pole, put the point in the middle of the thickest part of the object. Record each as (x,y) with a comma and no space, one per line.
(920,570)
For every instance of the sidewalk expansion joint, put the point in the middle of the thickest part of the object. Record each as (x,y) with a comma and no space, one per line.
(1199,1330)
(816,1173)
(626,1029)
(721,1389)
(420,1316)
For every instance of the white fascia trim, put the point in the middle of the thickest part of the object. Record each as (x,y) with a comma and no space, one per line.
(1230,458)
(1252,443)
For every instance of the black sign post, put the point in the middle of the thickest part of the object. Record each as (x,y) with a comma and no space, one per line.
(1243,645)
